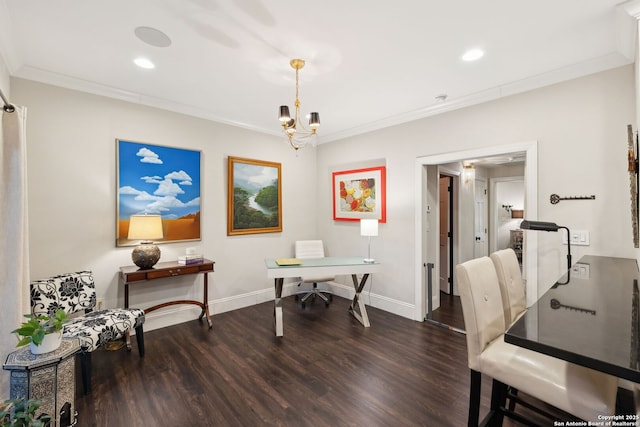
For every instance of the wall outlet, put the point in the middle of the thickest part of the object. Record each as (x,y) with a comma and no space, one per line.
(580,270)
(578,237)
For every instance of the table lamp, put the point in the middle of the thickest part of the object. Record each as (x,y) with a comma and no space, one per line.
(549,226)
(369,227)
(145,228)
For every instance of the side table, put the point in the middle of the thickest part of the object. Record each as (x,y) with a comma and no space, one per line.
(48,377)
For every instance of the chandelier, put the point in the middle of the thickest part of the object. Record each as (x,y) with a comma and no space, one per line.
(297,133)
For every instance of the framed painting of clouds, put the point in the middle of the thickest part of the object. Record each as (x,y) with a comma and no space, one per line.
(158,180)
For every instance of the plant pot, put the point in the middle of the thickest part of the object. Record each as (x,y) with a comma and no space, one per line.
(50,343)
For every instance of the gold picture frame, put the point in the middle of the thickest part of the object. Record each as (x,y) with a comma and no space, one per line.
(254,196)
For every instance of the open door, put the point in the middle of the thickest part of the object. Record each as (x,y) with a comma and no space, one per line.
(481,221)
(446,234)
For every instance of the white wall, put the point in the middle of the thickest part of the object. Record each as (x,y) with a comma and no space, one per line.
(580,126)
(4,79)
(72,198)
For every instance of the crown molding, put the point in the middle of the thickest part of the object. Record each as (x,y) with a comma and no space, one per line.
(612,60)
(603,63)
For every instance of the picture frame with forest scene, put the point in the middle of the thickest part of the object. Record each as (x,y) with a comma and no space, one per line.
(254,196)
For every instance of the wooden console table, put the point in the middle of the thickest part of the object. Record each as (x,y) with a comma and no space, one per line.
(131,274)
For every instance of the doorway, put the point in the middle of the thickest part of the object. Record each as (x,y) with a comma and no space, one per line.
(428,237)
(444,308)
(446,233)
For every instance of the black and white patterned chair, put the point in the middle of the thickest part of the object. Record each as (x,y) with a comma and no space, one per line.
(76,293)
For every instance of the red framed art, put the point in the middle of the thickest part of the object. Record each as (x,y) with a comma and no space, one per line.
(360,193)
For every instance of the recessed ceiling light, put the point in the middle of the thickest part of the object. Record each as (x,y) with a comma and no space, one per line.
(473,54)
(144,63)
(152,36)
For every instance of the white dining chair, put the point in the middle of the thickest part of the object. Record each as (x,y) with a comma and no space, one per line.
(577,390)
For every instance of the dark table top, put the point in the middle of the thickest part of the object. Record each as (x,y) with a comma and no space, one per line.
(592,320)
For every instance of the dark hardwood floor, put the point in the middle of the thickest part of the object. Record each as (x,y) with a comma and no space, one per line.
(327,370)
(450,311)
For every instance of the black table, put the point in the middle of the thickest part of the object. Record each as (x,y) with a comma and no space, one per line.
(590,321)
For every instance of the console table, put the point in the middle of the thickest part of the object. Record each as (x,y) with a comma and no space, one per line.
(131,274)
(48,377)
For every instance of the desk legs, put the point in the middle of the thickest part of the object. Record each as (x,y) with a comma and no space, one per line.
(357,308)
(277,309)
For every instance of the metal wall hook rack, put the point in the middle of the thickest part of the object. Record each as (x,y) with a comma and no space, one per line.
(555,304)
(555,199)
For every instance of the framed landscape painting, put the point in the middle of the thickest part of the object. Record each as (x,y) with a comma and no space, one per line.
(254,197)
(360,194)
(158,180)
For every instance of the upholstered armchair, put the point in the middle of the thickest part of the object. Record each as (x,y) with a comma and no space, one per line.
(75,293)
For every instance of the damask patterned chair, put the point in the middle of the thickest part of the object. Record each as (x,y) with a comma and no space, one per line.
(75,293)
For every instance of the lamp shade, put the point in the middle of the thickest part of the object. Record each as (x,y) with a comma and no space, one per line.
(539,225)
(468,173)
(284,115)
(145,227)
(314,120)
(368,227)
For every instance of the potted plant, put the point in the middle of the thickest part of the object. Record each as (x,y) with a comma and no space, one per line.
(42,333)
(21,413)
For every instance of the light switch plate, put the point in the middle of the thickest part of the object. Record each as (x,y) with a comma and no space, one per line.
(578,237)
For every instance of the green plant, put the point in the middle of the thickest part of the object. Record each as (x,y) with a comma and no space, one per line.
(37,327)
(21,413)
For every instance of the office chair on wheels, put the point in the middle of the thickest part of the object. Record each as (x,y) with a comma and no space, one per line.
(312,249)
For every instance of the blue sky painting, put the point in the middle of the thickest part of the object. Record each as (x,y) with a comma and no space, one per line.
(160,180)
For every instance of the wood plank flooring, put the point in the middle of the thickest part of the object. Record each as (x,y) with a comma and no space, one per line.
(450,311)
(327,370)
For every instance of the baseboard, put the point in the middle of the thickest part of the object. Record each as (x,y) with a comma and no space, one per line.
(176,314)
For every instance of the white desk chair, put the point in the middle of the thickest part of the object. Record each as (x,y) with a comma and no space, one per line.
(312,249)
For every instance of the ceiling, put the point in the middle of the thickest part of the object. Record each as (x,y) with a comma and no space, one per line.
(370,63)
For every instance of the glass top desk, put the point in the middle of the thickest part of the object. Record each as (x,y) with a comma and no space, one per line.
(329,266)
(591,321)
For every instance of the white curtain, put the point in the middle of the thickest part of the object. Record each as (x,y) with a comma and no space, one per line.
(14,238)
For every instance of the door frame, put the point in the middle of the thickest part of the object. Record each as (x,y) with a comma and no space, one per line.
(424,215)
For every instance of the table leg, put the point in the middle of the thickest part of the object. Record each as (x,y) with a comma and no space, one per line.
(127,335)
(205,301)
(357,307)
(277,309)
